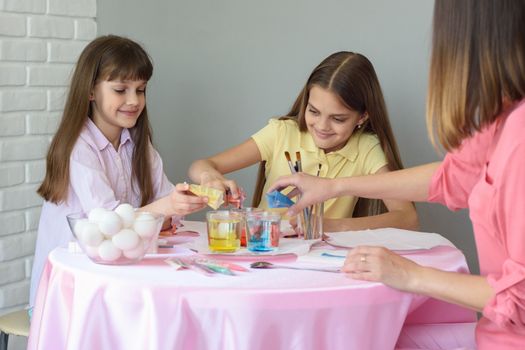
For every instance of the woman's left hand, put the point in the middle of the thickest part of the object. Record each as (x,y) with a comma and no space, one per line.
(378,264)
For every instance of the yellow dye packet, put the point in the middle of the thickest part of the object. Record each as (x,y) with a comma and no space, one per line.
(215,196)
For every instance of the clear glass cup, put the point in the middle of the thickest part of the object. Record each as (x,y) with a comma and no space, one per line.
(263,230)
(243,212)
(224,230)
(310,222)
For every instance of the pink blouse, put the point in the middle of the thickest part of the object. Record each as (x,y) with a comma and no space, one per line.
(100,176)
(487,176)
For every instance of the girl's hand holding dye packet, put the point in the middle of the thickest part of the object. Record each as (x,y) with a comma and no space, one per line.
(184,202)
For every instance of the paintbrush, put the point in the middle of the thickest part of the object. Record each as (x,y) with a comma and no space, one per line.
(315,223)
(298,164)
(290,164)
(306,211)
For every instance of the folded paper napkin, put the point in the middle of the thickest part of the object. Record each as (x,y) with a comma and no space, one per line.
(391,238)
(278,200)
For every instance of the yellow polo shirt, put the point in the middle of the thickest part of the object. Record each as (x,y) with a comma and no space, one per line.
(361,155)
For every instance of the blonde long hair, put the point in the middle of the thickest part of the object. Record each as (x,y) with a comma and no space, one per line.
(105,58)
(478,60)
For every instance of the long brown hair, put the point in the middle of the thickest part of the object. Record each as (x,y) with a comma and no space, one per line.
(478,60)
(352,77)
(105,58)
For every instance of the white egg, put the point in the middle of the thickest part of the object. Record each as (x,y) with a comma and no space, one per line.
(126,239)
(126,213)
(110,223)
(223,229)
(108,252)
(91,235)
(79,227)
(134,253)
(145,225)
(92,252)
(95,215)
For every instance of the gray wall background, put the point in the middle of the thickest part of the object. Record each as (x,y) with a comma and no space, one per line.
(222,68)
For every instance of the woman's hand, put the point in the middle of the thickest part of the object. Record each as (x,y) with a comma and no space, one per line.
(378,264)
(313,189)
(184,202)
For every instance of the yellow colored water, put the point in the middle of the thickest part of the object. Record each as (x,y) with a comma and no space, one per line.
(224,235)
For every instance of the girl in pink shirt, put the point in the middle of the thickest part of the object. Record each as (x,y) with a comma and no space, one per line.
(476,108)
(102,153)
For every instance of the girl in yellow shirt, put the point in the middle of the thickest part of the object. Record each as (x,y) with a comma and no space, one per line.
(338,122)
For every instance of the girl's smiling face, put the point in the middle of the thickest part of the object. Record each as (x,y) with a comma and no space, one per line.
(329,121)
(116,105)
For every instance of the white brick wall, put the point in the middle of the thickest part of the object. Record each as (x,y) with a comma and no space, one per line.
(40,41)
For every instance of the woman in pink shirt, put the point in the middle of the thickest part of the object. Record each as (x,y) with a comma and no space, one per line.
(102,155)
(476,108)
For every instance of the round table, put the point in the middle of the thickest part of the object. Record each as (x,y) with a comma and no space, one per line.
(151,305)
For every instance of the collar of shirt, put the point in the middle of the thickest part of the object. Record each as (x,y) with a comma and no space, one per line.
(350,151)
(101,141)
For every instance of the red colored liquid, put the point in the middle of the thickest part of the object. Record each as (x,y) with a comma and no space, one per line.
(243,237)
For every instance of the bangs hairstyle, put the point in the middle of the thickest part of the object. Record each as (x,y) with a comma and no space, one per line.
(478,62)
(105,58)
(351,77)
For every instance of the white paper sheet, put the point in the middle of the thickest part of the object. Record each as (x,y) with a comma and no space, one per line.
(391,238)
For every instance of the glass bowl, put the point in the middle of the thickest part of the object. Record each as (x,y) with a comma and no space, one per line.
(110,239)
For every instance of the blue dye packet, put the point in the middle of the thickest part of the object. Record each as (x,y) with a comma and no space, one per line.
(278,200)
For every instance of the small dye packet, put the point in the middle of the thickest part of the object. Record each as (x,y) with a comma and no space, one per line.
(215,196)
(278,200)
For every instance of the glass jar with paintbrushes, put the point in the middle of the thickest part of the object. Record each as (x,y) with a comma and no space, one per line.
(310,220)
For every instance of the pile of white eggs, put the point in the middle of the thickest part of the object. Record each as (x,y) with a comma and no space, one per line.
(109,235)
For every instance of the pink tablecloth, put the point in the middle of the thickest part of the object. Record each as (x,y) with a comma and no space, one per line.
(81,305)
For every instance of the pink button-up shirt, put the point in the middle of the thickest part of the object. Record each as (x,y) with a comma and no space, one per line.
(487,176)
(100,176)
